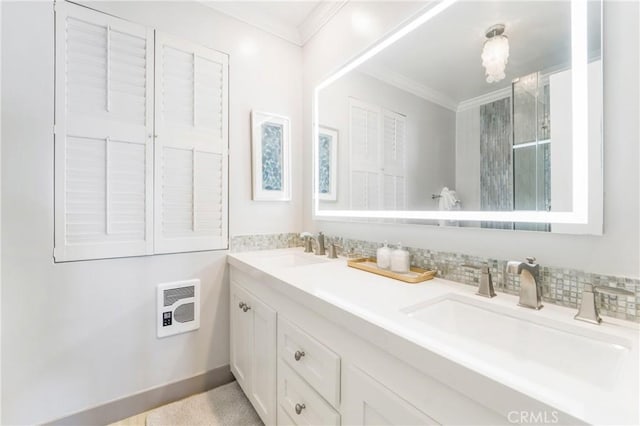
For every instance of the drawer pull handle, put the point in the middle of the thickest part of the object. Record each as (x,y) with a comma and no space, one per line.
(299,408)
(297,356)
(242,305)
(245,308)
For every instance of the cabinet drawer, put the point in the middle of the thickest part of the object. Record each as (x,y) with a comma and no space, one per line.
(316,363)
(295,394)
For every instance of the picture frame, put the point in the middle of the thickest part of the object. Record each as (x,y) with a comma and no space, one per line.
(271,157)
(327,155)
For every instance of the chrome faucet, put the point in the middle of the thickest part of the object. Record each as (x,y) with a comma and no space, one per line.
(530,289)
(588,308)
(307,236)
(333,251)
(320,249)
(486,284)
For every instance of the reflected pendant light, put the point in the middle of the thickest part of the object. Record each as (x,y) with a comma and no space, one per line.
(495,53)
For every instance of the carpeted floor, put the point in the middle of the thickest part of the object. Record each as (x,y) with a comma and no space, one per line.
(223,406)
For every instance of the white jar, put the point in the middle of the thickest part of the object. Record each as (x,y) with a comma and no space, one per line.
(383,257)
(400,261)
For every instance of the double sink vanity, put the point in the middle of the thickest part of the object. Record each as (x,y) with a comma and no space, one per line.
(316,342)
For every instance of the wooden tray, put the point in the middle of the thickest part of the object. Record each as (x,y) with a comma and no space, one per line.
(414,276)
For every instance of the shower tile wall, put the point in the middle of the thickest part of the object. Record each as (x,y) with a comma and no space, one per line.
(496,163)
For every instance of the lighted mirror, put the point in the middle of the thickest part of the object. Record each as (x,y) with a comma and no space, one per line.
(477,113)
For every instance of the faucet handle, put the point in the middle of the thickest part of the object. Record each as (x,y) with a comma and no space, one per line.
(588,310)
(531,260)
(612,291)
(308,241)
(485,288)
(484,268)
(333,252)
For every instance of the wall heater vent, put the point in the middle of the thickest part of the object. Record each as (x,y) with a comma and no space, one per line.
(178,307)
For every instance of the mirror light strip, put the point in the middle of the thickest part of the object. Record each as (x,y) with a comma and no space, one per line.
(580,183)
(580,109)
(435,10)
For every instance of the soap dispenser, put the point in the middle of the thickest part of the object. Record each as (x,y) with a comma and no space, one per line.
(400,260)
(383,257)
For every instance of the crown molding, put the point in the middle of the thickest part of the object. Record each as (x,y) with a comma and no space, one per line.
(484,99)
(408,85)
(239,11)
(318,18)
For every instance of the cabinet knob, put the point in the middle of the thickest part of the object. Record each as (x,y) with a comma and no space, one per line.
(242,305)
(298,355)
(299,408)
(245,308)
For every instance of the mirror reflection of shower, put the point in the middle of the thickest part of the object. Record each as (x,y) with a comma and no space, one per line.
(515,147)
(531,146)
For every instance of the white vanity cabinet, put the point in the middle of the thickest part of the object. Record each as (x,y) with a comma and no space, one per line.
(253,350)
(300,365)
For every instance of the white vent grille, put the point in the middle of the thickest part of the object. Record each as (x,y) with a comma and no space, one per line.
(178,307)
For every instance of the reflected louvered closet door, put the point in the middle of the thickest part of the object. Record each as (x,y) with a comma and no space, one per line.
(191,147)
(393,160)
(364,141)
(103,128)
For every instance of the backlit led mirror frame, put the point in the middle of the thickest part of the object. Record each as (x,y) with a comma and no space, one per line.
(587,205)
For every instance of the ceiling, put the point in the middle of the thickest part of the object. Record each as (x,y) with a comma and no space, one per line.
(442,57)
(294,21)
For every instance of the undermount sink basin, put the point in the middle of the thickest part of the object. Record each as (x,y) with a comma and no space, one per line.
(516,341)
(289,260)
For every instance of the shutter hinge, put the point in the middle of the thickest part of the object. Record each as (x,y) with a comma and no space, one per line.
(55,129)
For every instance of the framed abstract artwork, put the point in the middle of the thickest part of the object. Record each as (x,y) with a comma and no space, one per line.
(327,163)
(271,159)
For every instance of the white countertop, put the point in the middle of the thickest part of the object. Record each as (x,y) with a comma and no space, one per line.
(609,395)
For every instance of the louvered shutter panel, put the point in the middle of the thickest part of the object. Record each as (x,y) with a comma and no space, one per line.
(393,160)
(364,141)
(364,190)
(103,126)
(191,147)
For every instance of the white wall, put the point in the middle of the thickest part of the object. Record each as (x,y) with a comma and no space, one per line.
(468,157)
(617,252)
(430,133)
(80,334)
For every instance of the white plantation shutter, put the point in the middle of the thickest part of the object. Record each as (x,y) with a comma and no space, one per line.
(377,140)
(364,141)
(393,160)
(103,127)
(364,190)
(191,147)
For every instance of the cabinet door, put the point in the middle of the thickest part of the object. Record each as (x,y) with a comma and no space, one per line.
(263,361)
(367,402)
(103,128)
(191,146)
(241,327)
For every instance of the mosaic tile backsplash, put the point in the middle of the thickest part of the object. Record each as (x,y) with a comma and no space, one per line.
(560,286)
(264,241)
